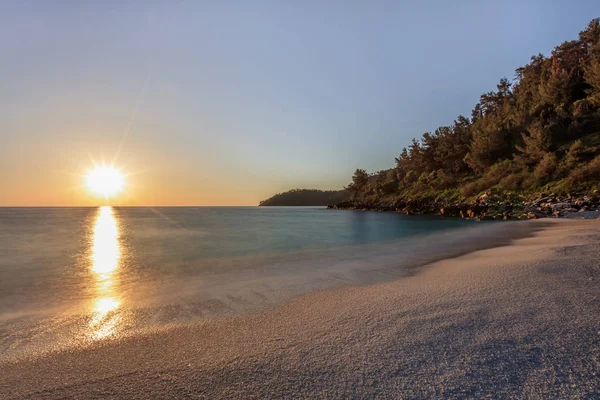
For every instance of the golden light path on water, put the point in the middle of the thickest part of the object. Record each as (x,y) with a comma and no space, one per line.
(106,255)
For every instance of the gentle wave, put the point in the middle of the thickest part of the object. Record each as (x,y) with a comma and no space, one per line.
(231,285)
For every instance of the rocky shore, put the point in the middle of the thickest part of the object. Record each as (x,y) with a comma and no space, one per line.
(488,206)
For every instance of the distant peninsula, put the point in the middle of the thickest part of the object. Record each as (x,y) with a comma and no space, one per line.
(306,197)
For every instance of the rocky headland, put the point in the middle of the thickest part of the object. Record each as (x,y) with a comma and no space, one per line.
(488,206)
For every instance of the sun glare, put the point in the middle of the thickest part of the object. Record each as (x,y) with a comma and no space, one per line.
(104,180)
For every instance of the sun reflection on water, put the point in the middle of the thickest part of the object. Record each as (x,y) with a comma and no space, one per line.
(106,251)
(106,254)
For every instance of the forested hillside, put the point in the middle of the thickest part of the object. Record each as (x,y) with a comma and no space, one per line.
(307,197)
(538,133)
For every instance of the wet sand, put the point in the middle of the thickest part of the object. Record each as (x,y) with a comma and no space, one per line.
(517,321)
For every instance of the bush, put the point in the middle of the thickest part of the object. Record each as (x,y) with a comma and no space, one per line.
(576,178)
(410,177)
(582,107)
(425,177)
(492,177)
(512,182)
(441,180)
(561,188)
(473,188)
(528,180)
(546,168)
(589,173)
(573,156)
(499,171)
(470,189)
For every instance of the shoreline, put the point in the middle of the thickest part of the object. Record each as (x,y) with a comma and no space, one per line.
(244,285)
(452,329)
(491,205)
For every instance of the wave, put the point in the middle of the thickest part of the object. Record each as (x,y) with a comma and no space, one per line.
(229,286)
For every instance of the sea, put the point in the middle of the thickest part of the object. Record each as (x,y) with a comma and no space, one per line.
(70,277)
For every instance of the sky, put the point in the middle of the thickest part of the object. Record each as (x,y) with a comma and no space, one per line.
(229,102)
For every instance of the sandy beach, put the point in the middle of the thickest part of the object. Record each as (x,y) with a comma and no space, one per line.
(517,321)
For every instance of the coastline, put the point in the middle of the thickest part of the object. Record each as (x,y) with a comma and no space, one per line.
(225,287)
(491,205)
(516,320)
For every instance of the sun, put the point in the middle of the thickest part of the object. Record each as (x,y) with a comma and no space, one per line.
(105,180)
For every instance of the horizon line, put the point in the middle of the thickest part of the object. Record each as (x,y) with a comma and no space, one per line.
(110,205)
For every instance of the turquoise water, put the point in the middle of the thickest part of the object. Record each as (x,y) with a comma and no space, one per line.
(47,252)
(73,274)
(238,231)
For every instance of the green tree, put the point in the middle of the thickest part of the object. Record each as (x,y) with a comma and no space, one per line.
(360,180)
(516,134)
(537,142)
(590,39)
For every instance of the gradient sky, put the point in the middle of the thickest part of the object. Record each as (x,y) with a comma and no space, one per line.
(228,102)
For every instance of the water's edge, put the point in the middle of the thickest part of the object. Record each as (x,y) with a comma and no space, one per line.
(271,281)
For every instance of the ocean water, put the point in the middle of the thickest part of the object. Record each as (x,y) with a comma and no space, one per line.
(72,276)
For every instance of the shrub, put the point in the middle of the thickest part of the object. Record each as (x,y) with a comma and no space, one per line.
(443,180)
(410,177)
(582,107)
(576,178)
(589,173)
(512,181)
(492,176)
(528,179)
(470,189)
(499,171)
(561,188)
(546,168)
(573,156)
(476,187)
(424,178)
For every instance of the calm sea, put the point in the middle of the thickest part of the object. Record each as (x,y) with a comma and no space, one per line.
(70,276)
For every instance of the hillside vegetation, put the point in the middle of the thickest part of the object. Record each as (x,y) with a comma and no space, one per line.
(537,134)
(307,197)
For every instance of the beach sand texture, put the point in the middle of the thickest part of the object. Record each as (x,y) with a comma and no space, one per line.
(517,321)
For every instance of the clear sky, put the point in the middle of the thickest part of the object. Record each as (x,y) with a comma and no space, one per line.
(228,102)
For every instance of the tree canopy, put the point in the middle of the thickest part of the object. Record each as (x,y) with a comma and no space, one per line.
(540,129)
(307,197)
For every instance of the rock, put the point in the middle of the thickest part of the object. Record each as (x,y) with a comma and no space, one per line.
(562,212)
(536,215)
(489,205)
(560,206)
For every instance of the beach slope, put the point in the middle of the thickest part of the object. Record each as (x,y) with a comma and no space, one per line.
(518,321)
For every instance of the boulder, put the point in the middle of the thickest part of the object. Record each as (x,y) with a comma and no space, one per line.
(560,206)
(536,215)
